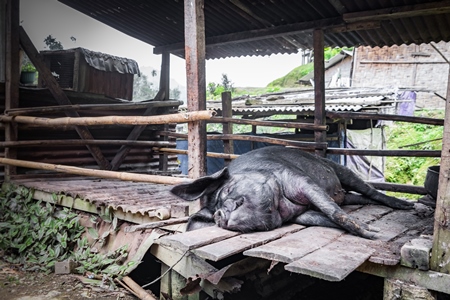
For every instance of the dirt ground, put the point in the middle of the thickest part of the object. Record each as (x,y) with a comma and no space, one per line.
(16,284)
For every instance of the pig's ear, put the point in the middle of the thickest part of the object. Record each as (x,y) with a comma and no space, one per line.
(202,186)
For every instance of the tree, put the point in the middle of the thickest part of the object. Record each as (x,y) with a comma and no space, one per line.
(52,43)
(143,89)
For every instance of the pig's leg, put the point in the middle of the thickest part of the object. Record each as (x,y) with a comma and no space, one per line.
(303,187)
(315,218)
(357,199)
(351,182)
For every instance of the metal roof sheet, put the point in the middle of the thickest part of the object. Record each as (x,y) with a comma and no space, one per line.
(236,28)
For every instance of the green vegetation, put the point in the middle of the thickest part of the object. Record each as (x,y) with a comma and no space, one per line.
(291,78)
(36,235)
(411,136)
(214,90)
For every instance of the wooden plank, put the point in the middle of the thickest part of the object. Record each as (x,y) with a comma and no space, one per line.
(190,266)
(395,223)
(370,213)
(334,261)
(227,112)
(238,244)
(296,245)
(197,238)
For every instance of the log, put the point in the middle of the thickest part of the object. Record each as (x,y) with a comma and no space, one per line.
(95,173)
(113,120)
(140,292)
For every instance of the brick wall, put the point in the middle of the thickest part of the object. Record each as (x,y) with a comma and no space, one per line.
(419,67)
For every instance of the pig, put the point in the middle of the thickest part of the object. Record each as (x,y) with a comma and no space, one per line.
(268,187)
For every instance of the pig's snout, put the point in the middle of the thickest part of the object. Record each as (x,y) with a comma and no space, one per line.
(220,218)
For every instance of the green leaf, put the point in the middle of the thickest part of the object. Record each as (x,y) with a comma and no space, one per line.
(92,232)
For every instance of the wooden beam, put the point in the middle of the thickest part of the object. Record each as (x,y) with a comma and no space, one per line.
(331,25)
(440,254)
(12,76)
(428,279)
(59,95)
(319,89)
(194,19)
(397,12)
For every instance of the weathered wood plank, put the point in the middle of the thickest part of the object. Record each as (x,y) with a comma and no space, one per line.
(197,238)
(296,245)
(370,213)
(237,244)
(395,223)
(334,261)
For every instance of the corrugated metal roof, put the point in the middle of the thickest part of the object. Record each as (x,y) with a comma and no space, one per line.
(247,28)
(104,62)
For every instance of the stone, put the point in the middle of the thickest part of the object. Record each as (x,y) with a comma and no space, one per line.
(416,253)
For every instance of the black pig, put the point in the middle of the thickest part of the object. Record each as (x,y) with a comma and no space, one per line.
(267,187)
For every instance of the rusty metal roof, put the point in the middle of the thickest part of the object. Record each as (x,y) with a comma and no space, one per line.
(246,28)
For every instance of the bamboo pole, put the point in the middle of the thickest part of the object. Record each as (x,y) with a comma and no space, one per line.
(209,154)
(291,124)
(90,107)
(113,120)
(388,117)
(95,173)
(45,143)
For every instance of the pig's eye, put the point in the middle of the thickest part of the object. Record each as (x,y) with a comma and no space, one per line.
(239,202)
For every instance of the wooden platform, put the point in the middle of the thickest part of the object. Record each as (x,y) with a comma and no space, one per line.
(219,256)
(324,253)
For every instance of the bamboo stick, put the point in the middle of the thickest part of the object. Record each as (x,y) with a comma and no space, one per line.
(90,107)
(276,141)
(157,224)
(369,116)
(96,173)
(113,120)
(406,153)
(209,154)
(45,143)
(291,124)
(141,293)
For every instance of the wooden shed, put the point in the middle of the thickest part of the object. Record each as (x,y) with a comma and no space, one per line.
(83,70)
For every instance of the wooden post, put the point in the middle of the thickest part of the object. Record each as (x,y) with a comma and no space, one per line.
(440,254)
(194,19)
(164,85)
(12,76)
(319,88)
(227,112)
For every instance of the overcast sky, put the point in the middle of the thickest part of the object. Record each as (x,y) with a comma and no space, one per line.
(43,17)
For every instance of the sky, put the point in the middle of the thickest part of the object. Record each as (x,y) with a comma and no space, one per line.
(40,18)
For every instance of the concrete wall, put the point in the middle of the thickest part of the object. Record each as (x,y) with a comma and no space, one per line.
(419,67)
